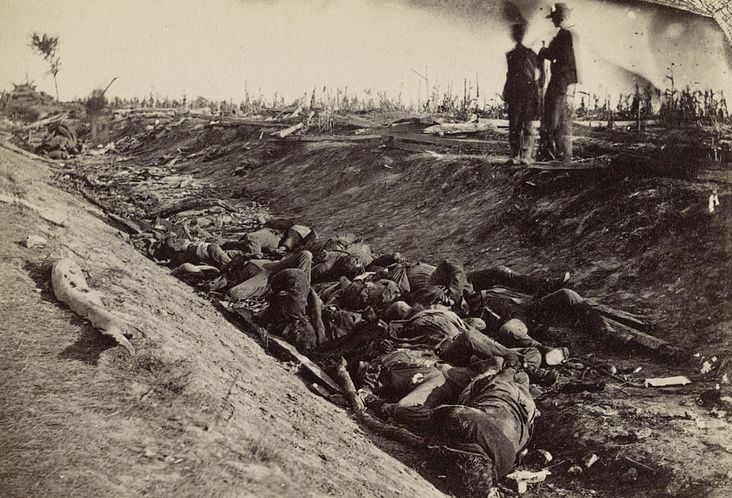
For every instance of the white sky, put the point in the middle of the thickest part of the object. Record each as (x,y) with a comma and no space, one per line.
(213,47)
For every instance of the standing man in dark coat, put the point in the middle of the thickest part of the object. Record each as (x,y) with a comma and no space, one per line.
(521,93)
(560,92)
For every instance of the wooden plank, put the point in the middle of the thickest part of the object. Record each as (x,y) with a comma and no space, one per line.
(288,131)
(50,216)
(350,390)
(264,125)
(629,319)
(286,349)
(600,162)
(626,334)
(399,434)
(448,142)
(414,138)
(330,138)
(353,121)
(459,128)
(278,346)
(130,226)
(46,121)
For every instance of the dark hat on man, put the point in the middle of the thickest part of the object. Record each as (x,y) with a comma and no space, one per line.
(559,9)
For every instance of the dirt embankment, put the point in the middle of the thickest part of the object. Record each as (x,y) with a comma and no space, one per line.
(200,410)
(644,243)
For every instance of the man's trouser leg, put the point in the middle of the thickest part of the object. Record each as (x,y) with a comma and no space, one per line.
(470,343)
(514,128)
(515,334)
(566,306)
(301,259)
(553,108)
(531,356)
(441,386)
(249,245)
(255,286)
(218,256)
(431,386)
(504,276)
(451,274)
(527,132)
(418,418)
(564,130)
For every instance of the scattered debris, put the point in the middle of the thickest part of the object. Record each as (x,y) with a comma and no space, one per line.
(712,397)
(575,470)
(642,434)
(522,478)
(713,201)
(579,387)
(602,410)
(678,380)
(589,460)
(630,475)
(539,457)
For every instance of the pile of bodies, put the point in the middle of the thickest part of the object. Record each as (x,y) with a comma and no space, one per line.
(448,353)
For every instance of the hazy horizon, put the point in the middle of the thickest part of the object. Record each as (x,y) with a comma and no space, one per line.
(177,47)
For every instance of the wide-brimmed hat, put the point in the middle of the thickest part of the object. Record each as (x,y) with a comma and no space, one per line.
(558,9)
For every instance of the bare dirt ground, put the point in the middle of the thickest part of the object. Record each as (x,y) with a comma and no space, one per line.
(640,242)
(201,409)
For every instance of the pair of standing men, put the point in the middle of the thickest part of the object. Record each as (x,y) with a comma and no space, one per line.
(524,79)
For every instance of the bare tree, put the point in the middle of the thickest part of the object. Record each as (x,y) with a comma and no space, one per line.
(47,47)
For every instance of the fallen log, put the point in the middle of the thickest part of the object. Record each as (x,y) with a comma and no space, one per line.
(129,226)
(233,123)
(288,131)
(70,287)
